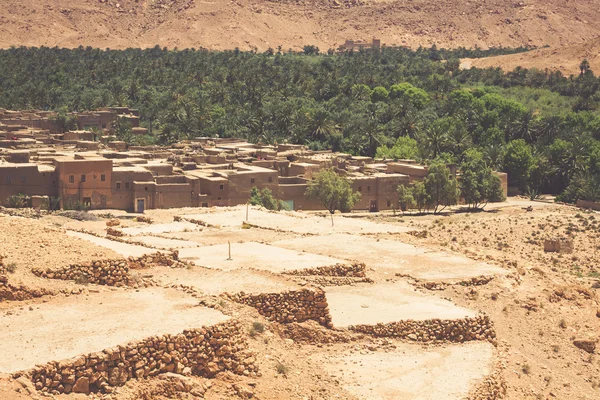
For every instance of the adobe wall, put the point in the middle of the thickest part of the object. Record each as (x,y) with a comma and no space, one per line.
(289,306)
(590,205)
(503,181)
(204,352)
(94,187)
(27,179)
(459,330)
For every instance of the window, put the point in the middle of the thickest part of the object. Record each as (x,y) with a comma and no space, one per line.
(82,178)
(368,188)
(8,180)
(71,178)
(389,203)
(23,180)
(270,179)
(360,188)
(127,185)
(118,185)
(102,178)
(221,187)
(219,198)
(251,180)
(204,204)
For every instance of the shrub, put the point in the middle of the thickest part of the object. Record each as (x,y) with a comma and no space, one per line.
(17,201)
(11,267)
(282,369)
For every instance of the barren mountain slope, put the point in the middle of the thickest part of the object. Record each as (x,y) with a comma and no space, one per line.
(565,59)
(224,24)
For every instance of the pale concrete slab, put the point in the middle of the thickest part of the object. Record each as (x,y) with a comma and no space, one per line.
(413,372)
(387,302)
(164,243)
(296,222)
(179,226)
(124,249)
(216,282)
(67,327)
(393,256)
(254,255)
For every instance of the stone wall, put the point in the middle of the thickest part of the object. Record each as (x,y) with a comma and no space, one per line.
(19,293)
(203,352)
(357,270)
(103,272)
(460,330)
(493,387)
(111,272)
(289,306)
(589,205)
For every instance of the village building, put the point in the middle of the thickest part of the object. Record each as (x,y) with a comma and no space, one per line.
(75,170)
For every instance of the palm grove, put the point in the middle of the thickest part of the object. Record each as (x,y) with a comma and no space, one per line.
(540,127)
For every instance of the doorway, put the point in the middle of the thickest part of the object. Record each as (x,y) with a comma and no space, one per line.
(140,205)
(373,206)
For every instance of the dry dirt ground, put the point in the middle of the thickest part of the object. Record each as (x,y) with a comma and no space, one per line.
(226,24)
(539,302)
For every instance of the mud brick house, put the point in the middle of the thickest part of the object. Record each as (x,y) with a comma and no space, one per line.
(203,172)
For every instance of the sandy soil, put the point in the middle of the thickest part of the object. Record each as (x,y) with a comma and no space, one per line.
(412,372)
(254,255)
(71,326)
(161,243)
(160,228)
(385,302)
(301,223)
(394,257)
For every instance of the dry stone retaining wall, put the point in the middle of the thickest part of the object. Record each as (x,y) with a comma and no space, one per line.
(110,272)
(459,330)
(289,306)
(356,270)
(204,352)
(19,293)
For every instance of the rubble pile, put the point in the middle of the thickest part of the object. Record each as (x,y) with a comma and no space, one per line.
(493,387)
(433,330)
(289,306)
(204,352)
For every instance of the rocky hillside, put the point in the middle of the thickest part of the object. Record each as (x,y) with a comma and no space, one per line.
(226,24)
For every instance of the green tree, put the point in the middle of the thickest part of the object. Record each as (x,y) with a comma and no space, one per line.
(332,191)
(518,162)
(379,94)
(441,186)
(121,128)
(478,185)
(406,199)
(404,148)
(420,196)
(266,199)
(64,121)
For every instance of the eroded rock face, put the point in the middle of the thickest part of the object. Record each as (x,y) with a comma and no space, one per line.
(203,352)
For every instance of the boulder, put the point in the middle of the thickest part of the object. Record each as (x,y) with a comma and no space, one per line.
(588,345)
(82,385)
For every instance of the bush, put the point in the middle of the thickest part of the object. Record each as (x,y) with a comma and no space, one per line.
(266,199)
(282,369)
(11,267)
(17,201)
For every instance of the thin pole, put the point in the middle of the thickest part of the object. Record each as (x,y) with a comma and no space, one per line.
(247,206)
(229,243)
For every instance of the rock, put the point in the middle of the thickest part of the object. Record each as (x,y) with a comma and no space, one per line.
(412,336)
(588,345)
(82,385)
